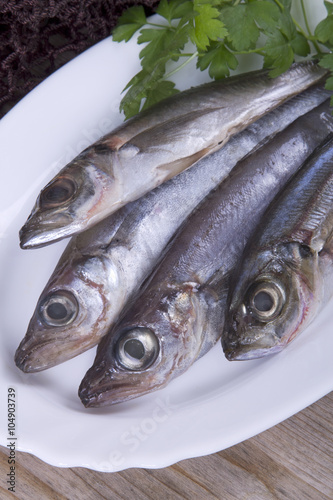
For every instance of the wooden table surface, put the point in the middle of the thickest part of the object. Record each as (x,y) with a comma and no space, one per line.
(292,461)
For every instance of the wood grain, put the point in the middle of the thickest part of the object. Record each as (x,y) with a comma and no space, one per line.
(291,461)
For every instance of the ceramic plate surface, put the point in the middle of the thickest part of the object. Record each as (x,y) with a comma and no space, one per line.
(215,404)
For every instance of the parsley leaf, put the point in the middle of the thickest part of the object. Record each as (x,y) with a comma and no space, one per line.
(244,22)
(164,89)
(129,23)
(329,85)
(206,26)
(219,59)
(286,4)
(278,52)
(327,63)
(138,88)
(161,44)
(174,9)
(148,86)
(324,30)
(282,44)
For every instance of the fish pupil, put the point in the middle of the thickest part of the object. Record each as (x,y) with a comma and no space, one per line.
(137,348)
(134,348)
(305,251)
(56,310)
(60,191)
(263,301)
(57,193)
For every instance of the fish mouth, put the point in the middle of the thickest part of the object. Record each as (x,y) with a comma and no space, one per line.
(93,399)
(29,361)
(241,353)
(97,390)
(239,343)
(96,398)
(36,233)
(31,358)
(245,349)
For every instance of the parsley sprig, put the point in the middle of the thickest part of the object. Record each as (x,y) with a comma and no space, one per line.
(219,31)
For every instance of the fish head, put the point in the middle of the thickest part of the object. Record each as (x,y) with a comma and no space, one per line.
(142,354)
(71,315)
(271,303)
(74,199)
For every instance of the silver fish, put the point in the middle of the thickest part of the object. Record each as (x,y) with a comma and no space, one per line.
(154,147)
(287,271)
(180,312)
(102,268)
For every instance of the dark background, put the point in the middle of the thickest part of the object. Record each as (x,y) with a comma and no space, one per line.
(39,36)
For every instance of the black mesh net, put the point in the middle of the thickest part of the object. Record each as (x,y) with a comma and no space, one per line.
(39,36)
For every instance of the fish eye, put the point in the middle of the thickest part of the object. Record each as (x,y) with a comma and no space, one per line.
(59,309)
(305,251)
(58,192)
(266,299)
(137,349)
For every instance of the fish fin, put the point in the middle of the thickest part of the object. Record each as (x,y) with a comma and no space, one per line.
(113,142)
(176,167)
(328,120)
(128,151)
(328,246)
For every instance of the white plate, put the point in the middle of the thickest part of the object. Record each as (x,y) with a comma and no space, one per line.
(216,403)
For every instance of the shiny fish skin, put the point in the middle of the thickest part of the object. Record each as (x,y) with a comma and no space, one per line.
(182,304)
(289,262)
(154,147)
(127,245)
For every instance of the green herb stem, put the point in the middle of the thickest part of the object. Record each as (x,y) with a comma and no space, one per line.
(182,54)
(305,18)
(163,26)
(310,36)
(279,4)
(195,54)
(253,51)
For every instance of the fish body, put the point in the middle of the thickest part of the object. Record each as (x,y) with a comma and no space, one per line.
(103,267)
(181,308)
(287,272)
(154,147)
